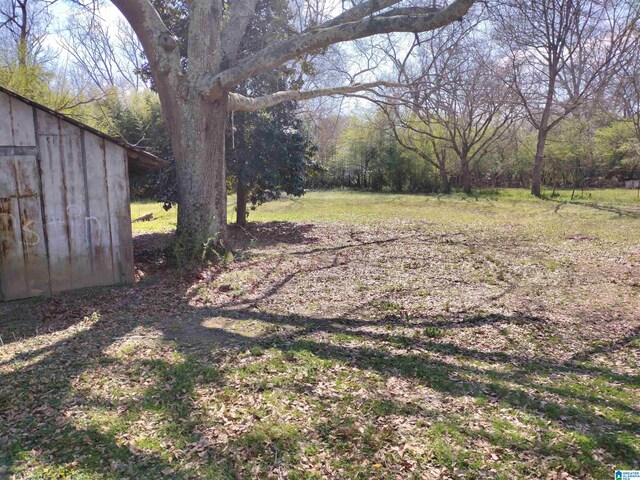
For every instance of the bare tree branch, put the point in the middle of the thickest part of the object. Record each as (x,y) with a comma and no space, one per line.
(275,55)
(159,44)
(241,14)
(360,11)
(240,103)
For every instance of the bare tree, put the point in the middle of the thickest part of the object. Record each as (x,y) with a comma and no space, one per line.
(460,104)
(627,90)
(197,92)
(562,53)
(110,55)
(324,125)
(25,24)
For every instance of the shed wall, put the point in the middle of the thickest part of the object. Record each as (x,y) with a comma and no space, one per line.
(64,205)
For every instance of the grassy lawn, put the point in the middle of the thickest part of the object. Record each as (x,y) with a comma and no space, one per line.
(350,335)
(345,206)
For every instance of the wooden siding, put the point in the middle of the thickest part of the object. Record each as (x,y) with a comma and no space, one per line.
(64,205)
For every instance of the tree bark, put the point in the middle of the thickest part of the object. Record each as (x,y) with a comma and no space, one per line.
(466,176)
(442,168)
(241,200)
(444,180)
(200,171)
(536,180)
(24,34)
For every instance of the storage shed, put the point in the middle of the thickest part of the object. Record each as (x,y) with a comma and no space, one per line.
(65,220)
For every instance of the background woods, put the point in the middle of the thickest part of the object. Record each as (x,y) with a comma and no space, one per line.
(514,94)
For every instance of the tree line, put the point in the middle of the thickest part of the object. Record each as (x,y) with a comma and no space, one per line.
(362,152)
(464,94)
(521,95)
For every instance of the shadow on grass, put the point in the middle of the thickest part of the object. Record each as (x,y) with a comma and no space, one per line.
(153,253)
(271,233)
(38,393)
(595,206)
(45,384)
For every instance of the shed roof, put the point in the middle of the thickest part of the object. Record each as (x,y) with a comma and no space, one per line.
(140,161)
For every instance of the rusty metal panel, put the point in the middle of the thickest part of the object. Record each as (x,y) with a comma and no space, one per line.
(120,213)
(23,258)
(54,201)
(10,150)
(98,220)
(65,220)
(8,185)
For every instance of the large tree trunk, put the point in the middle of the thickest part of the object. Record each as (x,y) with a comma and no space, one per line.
(444,180)
(466,175)
(200,171)
(241,199)
(536,180)
(441,157)
(543,131)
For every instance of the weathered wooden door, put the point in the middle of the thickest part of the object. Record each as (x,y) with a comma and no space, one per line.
(23,255)
(64,205)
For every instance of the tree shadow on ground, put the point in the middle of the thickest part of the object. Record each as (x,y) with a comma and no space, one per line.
(38,397)
(622,212)
(271,233)
(153,251)
(39,393)
(513,381)
(23,319)
(153,256)
(42,379)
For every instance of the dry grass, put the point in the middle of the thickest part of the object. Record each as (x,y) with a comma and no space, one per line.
(392,337)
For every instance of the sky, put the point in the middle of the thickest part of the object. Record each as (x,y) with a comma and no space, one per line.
(110,15)
(107,13)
